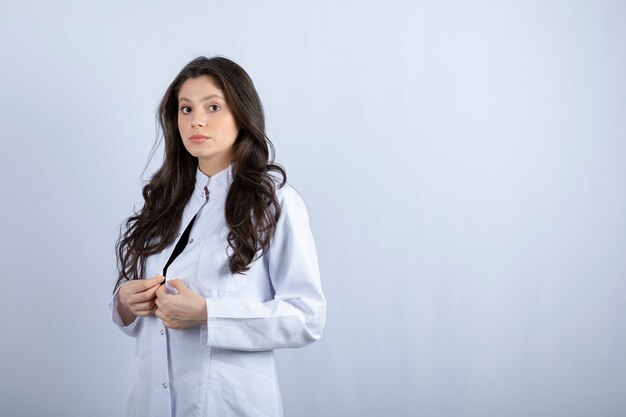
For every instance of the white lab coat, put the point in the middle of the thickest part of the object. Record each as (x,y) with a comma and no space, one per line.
(227,367)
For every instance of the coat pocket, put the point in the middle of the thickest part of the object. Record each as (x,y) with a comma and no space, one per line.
(245,392)
(213,271)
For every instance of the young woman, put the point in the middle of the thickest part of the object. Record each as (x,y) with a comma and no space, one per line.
(219,267)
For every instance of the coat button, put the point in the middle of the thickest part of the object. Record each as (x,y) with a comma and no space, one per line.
(162,331)
(165,385)
(190,241)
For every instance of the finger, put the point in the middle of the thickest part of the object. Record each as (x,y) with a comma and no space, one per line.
(140,297)
(180,287)
(166,321)
(170,325)
(138,285)
(160,292)
(143,306)
(143,313)
(162,306)
(151,282)
(132,288)
(159,314)
(148,294)
(178,284)
(152,291)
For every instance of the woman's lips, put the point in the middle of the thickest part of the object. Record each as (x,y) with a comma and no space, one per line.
(198,138)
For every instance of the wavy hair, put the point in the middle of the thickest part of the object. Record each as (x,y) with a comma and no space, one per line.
(252,209)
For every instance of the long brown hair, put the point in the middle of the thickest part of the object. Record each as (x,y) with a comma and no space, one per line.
(252,208)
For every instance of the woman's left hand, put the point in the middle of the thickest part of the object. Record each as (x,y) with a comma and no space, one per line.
(182,310)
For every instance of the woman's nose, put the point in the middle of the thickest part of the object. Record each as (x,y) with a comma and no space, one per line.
(197,123)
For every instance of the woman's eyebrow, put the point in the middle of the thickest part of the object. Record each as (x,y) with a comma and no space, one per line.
(203,99)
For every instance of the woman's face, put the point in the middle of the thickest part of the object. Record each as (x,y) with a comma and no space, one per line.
(206,124)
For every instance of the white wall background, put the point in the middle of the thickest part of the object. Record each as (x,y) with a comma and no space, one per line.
(464,165)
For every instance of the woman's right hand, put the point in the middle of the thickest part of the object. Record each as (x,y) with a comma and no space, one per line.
(138,295)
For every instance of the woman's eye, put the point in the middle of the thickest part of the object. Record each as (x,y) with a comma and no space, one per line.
(183,109)
(214,107)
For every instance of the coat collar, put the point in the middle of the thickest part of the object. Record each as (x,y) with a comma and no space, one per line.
(217,184)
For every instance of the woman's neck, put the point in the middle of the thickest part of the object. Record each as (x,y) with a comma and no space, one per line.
(210,168)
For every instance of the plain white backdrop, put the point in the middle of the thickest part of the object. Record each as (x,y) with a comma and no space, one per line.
(463,163)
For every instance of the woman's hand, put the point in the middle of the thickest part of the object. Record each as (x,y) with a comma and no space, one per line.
(182,310)
(137,298)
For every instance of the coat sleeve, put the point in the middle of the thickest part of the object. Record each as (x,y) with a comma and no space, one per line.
(295,316)
(132,328)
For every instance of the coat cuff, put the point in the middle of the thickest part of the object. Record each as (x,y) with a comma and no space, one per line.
(131,329)
(204,328)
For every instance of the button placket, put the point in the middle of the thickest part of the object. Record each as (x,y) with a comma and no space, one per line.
(205,194)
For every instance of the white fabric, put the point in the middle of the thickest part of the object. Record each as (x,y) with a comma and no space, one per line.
(227,367)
